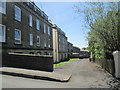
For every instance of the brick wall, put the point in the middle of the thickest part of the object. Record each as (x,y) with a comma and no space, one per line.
(28,62)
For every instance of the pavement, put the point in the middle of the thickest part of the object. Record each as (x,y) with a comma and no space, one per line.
(35,74)
(62,75)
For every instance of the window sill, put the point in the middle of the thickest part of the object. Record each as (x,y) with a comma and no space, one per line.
(17,20)
(31,45)
(18,44)
(38,45)
(3,42)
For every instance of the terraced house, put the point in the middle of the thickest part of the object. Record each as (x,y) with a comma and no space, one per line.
(70,49)
(25,29)
(60,47)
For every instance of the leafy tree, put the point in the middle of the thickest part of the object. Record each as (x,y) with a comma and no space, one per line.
(102,20)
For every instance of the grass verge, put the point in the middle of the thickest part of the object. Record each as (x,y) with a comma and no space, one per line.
(64,63)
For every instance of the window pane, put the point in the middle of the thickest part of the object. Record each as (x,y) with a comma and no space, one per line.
(17,13)
(31,39)
(48,30)
(2,33)
(37,24)
(3,6)
(45,43)
(38,40)
(30,20)
(17,37)
(44,28)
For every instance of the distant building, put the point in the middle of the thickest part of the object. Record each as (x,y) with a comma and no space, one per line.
(76,52)
(55,45)
(70,49)
(60,51)
(85,53)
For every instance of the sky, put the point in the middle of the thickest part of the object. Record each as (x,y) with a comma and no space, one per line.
(64,16)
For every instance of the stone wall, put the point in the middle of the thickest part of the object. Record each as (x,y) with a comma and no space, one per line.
(33,62)
(106,64)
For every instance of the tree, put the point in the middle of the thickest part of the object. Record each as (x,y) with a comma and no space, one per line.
(102,20)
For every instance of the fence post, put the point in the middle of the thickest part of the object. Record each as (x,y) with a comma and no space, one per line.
(116,55)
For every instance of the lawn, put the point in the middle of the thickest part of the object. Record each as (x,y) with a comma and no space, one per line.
(64,63)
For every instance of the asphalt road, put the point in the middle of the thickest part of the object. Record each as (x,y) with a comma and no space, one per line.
(85,75)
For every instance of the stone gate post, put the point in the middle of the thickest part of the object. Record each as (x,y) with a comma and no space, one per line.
(116,55)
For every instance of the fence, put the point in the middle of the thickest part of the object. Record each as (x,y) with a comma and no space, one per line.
(106,64)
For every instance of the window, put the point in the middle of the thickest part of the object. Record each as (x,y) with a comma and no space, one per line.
(2,33)
(3,6)
(37,24)
(48,30)
(45,43)
(44,28)
(59,38)
(31,39)
(17,13)
(38,40)
(49,43)
(49,54)
(17,36)
(30,20)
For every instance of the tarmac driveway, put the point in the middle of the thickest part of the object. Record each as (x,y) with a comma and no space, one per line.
(85,74)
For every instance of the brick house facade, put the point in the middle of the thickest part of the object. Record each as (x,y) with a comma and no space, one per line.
(26,36)
(29,33)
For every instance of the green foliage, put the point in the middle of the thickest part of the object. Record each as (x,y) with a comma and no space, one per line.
(85,48)
(102,20)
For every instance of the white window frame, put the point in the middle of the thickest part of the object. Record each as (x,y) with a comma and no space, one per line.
(20,37)
(37,24)
(38,43)
(3,39)
(17,17)
(3,10)
(44,28)
(30,20)
(31,39)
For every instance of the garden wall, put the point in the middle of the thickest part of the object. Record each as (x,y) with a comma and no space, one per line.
(106,64)
(33,62)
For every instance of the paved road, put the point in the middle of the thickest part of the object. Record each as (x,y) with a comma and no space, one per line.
(85,75)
